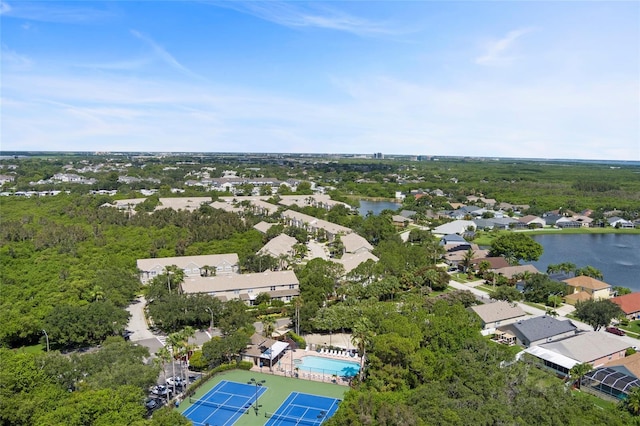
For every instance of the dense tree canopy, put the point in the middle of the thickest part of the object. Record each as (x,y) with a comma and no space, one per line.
(516,247)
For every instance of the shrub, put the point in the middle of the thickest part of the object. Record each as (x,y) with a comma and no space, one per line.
(245,365)
(297,339)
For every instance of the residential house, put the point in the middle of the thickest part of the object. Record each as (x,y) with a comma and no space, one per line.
(583,288)
(550,219)
(280,246)
(263,226)
(6,179)
(314,225)
(401,221)
(630,304)
(193,266)
(538,330)
(495,262)
(618,222)
(409,214)
(616,380)
(455,227)
(350,261)
(183,203)
(280,285)
(568,222)
(591,347)
(454,240)
(511,272)
(354,243)
(595,348)
(493,315)
(533,221)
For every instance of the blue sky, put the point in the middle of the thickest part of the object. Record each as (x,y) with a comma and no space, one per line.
(495,79)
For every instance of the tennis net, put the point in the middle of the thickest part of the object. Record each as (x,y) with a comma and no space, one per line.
(218,405)
(295,420)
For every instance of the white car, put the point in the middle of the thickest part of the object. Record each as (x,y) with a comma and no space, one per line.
(177,381)
(161,390)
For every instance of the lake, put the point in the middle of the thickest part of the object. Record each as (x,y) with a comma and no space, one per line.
(617,256)
(376,206)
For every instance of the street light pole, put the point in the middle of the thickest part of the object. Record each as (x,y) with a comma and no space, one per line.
(258,383)
(211,324)
(46,336)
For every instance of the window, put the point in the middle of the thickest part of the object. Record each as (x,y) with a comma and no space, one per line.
(292,286)
(236,291)
(272,288)
(250,290)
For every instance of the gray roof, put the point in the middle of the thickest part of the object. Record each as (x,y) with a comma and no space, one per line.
(588,347)
(538,328)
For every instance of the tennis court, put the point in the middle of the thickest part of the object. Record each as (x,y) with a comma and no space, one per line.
(224,404)
(303,409)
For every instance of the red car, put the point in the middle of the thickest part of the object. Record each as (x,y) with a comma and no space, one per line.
(615,330)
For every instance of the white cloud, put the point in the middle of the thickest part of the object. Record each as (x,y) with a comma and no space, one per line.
(296,15)
(497,51)
(381,114)
(11,60)
(58,12)
(165,56)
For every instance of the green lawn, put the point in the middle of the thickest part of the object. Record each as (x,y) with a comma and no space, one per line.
(278,389)
(598,402)
(633,327)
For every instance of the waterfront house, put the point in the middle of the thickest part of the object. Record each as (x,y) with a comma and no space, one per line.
(582,288)
(630,304)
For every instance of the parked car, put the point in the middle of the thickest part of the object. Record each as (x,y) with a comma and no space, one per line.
(161,390)
(615,330)
(177,381)
(153,403)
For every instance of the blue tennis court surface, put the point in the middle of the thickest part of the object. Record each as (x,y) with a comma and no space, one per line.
(303,409)
(224,404)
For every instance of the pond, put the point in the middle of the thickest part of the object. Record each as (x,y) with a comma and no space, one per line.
(617,256)
(376,207)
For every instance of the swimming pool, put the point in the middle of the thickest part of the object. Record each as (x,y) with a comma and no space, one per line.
(318,364)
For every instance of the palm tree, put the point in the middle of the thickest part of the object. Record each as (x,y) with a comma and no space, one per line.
(297,303)
(578,371)
(361,336)
(163,356)
(467,260)
(186,347)
(173,341)
(483,267)
(268,326)
(632,401)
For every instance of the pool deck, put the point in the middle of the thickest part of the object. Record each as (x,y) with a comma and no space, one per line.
(287,364)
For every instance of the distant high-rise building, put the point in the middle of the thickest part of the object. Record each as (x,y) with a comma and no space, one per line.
(378,156)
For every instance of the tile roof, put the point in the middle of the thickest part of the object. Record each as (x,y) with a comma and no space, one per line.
(629,303)
(586,282)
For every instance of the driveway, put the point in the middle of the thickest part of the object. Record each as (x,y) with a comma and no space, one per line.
(137,322)
(316,250)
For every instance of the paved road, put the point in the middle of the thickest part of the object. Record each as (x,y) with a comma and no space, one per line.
(137,322)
